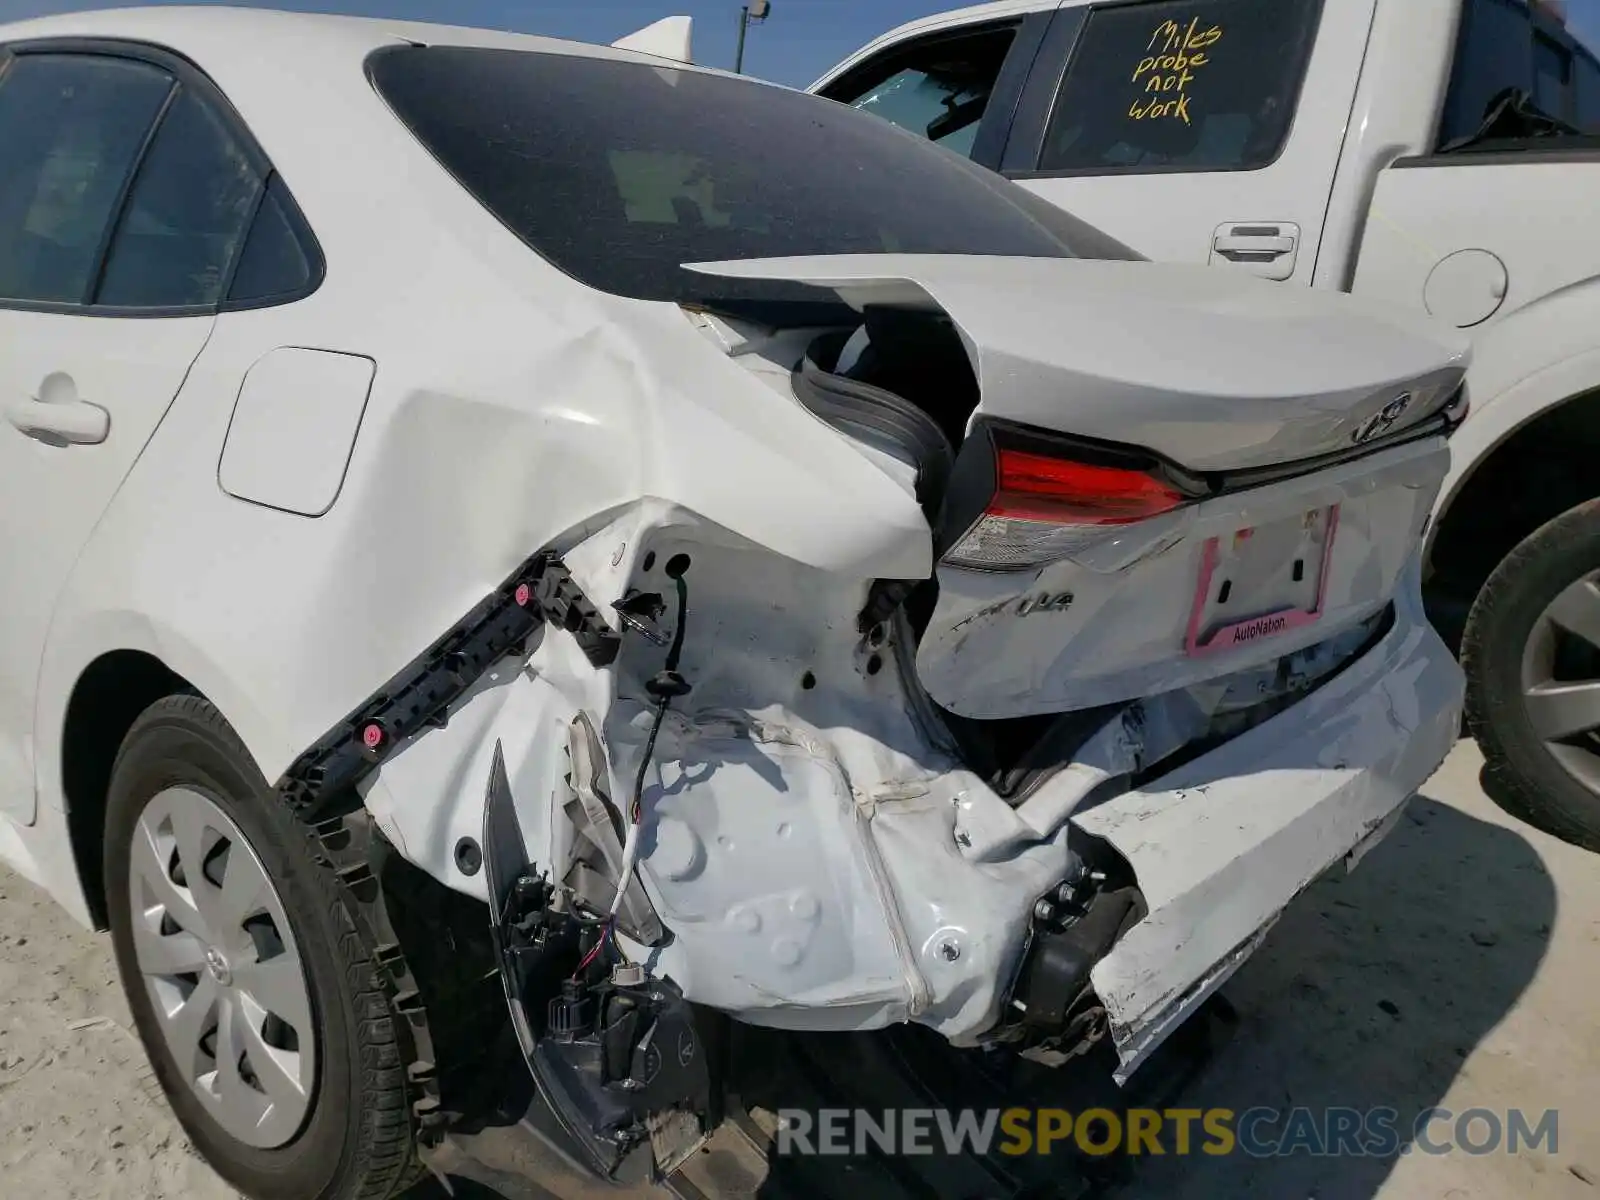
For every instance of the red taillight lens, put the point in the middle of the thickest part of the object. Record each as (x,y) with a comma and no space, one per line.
(1045,508)
(1035,487)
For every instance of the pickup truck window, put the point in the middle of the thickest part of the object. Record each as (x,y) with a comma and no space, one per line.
(1181,85)
(937,88)
(1525,76)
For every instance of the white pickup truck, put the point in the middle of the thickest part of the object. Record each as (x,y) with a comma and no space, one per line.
(1442,155)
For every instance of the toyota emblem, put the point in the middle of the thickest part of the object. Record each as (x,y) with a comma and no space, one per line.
(1382,422)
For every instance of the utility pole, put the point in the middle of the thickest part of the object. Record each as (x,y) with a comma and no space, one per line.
(758,11)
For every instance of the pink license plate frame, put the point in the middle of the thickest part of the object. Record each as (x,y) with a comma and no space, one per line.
(1238,634)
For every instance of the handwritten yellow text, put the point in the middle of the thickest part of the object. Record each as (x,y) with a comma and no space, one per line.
(1175,53)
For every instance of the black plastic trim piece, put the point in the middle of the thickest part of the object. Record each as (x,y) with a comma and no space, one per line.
(188,74)
(1025,141)
(119,210)
(319,788)
(1441,424)
(989,147)
(1528,153)
(852,406)
(541,592)
(354,851)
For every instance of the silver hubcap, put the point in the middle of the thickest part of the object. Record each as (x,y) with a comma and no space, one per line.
(222,969)
(1561,680)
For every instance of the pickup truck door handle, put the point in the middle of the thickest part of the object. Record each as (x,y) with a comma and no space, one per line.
(59,417)
(1266,249)
(1235,247)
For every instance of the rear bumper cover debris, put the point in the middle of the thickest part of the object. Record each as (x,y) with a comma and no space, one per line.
(1223,845)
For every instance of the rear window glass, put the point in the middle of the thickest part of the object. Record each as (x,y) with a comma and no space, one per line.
(619,172)
(1205,85)
(1526,75)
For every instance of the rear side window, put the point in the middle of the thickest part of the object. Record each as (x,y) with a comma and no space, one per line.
(938,89)
(279,260)
(71,130)
(1525,75)
(191,203)
(1192,85)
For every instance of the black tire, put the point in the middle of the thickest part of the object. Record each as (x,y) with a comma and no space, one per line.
(356,1141)
(1520,773)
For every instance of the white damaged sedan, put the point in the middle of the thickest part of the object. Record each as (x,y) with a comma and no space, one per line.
(500,534)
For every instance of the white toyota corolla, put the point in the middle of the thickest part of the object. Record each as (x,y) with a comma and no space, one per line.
(684,555)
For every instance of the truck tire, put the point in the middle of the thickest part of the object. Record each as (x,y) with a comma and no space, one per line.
(265,1020)
(1531,652)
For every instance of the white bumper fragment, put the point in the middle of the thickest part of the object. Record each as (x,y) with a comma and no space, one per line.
(1223,845)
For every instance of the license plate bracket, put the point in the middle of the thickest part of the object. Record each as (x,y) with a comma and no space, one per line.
(1261,582)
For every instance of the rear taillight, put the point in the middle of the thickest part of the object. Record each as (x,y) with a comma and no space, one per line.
(1044,508)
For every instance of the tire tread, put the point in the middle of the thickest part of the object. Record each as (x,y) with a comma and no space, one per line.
(1518,772)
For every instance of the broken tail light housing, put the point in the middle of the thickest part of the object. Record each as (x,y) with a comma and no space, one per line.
(1021,498)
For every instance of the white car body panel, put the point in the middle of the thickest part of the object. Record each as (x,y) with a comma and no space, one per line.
(1218,854)
(294,427)
(1301,373)
(1116,640)
(872,878)
(53,493)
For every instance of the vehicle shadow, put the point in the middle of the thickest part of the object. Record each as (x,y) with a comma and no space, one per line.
(1370,992)
(460,1189)
(1512,805)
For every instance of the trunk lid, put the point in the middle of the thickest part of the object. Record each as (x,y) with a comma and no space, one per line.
(1171,475)
(1215,370)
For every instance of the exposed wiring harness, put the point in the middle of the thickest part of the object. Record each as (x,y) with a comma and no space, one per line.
(664,687)
(606,935)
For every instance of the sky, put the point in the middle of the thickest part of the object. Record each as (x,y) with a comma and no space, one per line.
(801,40)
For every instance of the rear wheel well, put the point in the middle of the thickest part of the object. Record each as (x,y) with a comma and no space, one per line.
(1535,475)
(108,698)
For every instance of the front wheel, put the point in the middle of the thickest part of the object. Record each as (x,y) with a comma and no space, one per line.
(261,1011)
(1532,657)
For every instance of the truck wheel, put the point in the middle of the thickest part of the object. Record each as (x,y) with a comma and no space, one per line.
(1532,657)
(264,1019)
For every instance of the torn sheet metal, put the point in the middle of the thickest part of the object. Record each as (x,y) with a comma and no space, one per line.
(1221,847)
(824,862)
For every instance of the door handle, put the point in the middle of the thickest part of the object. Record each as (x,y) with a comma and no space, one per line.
(1268,249)
(1237,248)
(59,417)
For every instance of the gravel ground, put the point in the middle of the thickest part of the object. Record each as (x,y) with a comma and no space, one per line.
(1458,966)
